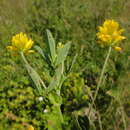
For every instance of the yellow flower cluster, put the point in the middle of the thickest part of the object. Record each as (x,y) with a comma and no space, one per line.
(110,33)
(21,43)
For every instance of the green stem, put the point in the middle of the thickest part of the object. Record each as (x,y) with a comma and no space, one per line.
(23,57)
(123,119)
(100,79)
(62,68)
(98,114)
(37,80)
(60,113)
(100,122)
(123,115)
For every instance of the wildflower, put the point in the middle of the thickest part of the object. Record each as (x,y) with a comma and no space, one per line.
(21,43)
(110,33)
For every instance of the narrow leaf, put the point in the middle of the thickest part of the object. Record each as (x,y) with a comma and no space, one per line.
(34,75)
(55,80)
(74,60)
(51,45)
(43,54)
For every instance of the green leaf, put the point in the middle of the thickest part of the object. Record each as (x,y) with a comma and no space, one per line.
(62,53)
(54,118)
(51,45)
(36,78)
(73,62)
(43,54)
(56,79)
(40,51)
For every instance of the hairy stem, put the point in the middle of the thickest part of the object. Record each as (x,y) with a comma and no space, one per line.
(23,57)
(100,79)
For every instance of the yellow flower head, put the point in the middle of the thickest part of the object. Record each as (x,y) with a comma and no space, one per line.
(110,33)
(60,45)
(30,127)
(21,43)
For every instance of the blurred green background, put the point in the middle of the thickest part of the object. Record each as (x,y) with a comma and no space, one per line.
(68,20)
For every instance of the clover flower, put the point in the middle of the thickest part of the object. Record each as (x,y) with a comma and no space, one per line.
(110,33)
(21,43)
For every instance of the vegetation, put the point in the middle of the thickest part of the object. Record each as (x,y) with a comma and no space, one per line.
(64,65)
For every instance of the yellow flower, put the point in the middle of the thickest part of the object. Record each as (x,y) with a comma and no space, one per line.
(21,43)
(110,33)
(30,127)
(60,45)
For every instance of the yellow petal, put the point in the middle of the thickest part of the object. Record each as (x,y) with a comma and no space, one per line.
(30,127)
(20,42)
(117,48)
(28,45)
(12,48)
(110,33)
(29,51)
